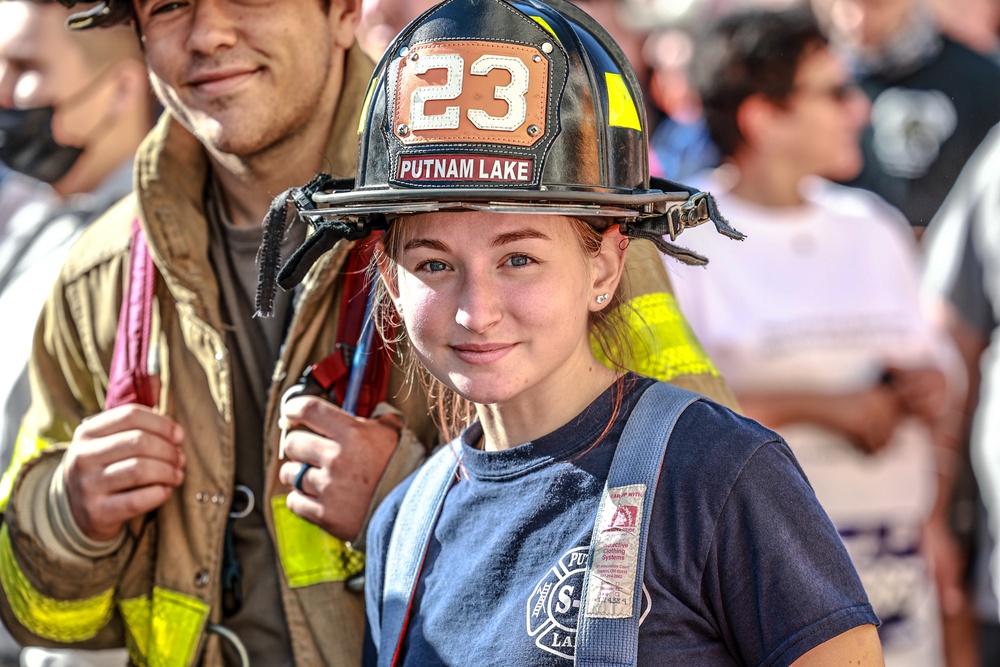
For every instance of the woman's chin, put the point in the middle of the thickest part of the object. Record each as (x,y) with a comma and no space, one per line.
(479,391)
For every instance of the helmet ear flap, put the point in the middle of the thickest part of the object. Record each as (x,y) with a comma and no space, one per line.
(699,208)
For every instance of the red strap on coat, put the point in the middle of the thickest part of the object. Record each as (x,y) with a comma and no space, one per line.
(333,372)
(130,380)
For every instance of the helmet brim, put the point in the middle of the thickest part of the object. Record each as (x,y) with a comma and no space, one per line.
(575,203)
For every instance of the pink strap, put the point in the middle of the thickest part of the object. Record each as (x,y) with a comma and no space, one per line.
(130,380)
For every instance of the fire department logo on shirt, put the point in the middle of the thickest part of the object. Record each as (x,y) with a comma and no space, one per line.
(554,605)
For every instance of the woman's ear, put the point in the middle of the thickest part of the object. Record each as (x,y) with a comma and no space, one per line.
(607,266)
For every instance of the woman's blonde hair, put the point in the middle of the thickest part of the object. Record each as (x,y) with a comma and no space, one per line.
(451,412)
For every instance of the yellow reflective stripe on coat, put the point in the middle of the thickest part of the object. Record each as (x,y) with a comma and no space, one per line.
(64,621)
(310,555)
(663,345)
(25,449)
(165,630)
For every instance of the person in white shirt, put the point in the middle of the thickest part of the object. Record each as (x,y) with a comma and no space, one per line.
(816,319)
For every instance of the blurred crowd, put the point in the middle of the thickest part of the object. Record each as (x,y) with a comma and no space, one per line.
(834,135)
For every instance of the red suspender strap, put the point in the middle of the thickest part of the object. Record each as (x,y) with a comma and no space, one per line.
(333,372)
(130,380)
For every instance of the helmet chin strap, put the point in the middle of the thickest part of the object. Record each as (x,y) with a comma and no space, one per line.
(326,234)
(699,208)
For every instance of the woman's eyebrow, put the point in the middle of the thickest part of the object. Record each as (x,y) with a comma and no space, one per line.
(519,235)
(431,244)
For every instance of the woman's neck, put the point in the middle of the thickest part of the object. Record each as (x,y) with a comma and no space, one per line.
(541,411)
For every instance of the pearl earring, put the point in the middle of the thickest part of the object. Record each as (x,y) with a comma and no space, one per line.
(601,298)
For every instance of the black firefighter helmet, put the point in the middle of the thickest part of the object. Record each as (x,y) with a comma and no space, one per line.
(517,106)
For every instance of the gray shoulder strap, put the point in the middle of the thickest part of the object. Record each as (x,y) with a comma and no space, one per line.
(411,534)
(608,627)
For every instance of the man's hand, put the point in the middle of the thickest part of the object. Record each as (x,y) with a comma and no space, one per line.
(121,464)
(867,417)
(348,455)
(923,392)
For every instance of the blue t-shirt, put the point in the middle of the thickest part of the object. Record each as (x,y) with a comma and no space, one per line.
(743,567)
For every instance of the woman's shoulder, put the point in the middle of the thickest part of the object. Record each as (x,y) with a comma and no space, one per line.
(712,447)
(708,432)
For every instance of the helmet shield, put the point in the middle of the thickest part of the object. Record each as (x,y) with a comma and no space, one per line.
(488,100)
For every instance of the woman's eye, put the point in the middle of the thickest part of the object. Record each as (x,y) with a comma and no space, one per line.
(433,266)
(519,260)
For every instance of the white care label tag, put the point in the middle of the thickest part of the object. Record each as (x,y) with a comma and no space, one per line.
(616,553)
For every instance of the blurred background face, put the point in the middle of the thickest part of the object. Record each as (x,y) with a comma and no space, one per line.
(41,65)
(820,128)
(382,20)
(867,24)
(972,22)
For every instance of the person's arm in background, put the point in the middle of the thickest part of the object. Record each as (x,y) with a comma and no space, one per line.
(866,417)
(955,278)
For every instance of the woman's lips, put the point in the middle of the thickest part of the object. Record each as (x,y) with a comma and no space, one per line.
(482,353)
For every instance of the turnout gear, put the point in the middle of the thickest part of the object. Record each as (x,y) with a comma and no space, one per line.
(521,106)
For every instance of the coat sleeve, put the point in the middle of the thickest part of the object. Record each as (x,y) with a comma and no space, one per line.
(662,343)
(52,596)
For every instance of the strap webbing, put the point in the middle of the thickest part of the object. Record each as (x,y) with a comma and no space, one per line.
(407,548)
(602,642)
(129,380)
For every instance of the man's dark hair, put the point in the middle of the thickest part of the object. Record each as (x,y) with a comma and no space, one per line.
(752,52)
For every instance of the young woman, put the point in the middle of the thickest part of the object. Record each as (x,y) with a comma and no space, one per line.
(583,514)
(742,566)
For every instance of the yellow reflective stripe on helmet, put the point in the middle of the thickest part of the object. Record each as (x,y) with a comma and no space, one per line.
(542,22)
(621,106)
(164,631)
(63,621)
(25,449)
(663,346)
(310,555)
(364,107)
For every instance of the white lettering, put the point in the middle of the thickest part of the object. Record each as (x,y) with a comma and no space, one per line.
(449,90)
(522,171)
(482,169)
(466,166)
(497,173)
(513,93)
(565,599)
